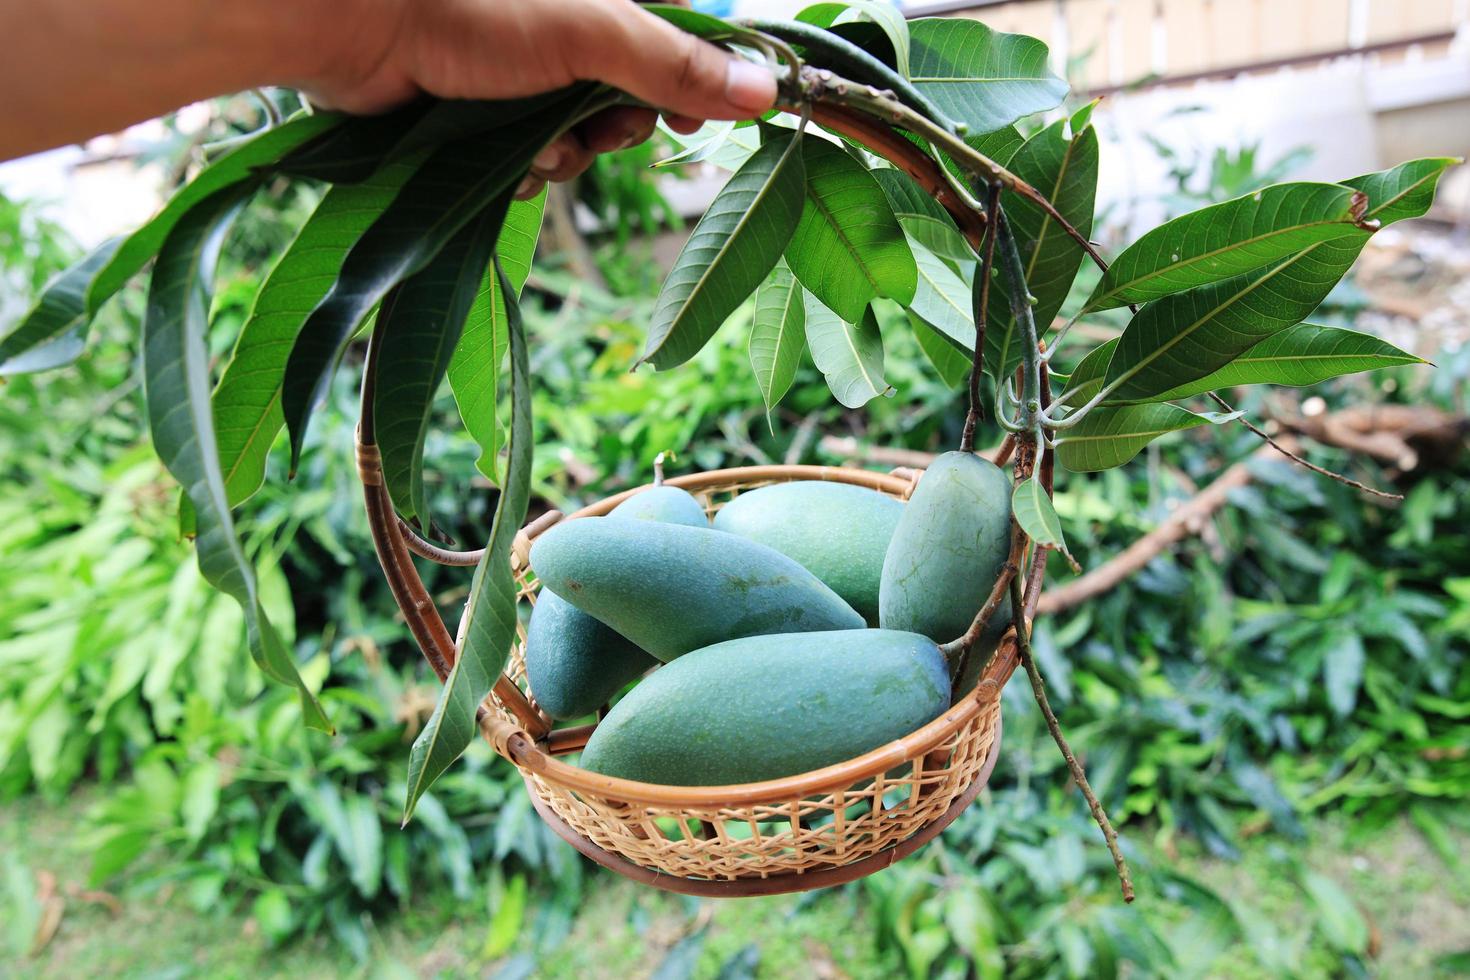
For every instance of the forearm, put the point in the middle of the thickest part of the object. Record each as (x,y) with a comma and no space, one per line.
(76,68)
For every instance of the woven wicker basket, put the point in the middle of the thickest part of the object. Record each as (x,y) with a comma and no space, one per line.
(807,831)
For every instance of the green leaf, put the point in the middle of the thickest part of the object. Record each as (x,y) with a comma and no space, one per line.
(1087,377)
(1187,336)
(247,402)
(54,332)
(421,322)
(1298,356)
(888,18)
(981,77)
(474,371)
(1065,170)
(737,242)
(951,365)
(1342,670)
(239,165)
(848,248)
(1109,437)
(1228,239)
(943,299)
(452,186)
(1038,518)
(1342,924)
(1405,191)
(924,221)
(176,383)
(777,335)
(849,355)
(695,22)
(489,628)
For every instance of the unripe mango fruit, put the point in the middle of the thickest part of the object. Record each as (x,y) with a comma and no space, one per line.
(663,503)
(764,707)
(837,531)
(671,588)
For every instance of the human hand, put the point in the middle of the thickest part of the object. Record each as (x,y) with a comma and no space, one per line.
(500,49)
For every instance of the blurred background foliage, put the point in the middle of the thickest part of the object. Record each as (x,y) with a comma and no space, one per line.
(1257,706)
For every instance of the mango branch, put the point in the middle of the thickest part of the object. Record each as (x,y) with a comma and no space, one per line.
(1038,688)
(980,299)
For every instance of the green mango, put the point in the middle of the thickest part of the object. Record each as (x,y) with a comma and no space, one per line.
(838,531)
(671,588)
(574,663)
(663,503)
(947,553)
(713,717)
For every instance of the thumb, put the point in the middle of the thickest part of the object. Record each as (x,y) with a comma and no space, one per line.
(649,58)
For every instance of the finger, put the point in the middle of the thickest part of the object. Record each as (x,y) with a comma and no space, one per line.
(562,159)
(617,43)
(683,124)
(617,129)
(530,187)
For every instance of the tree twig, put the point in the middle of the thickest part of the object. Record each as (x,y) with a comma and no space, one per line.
(1038,689)
(1346,481)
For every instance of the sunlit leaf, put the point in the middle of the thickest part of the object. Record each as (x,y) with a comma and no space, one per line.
(849,355)
(777,334)
(979,76)
(177,387)
(490,615)
(736,243)
(848,248)
(474,371)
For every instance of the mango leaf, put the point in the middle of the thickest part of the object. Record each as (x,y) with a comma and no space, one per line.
(848,248)
(453,185)
(1109,437)
(176,384)
(849,355)
(1087,377)
(420,325)
(490,615)
(1405,191)
(1228,239)
(474,371)
(737,242)
(247,401)
(981,77)
(943,299)
(1065,170)
(54,332)
(952,366)
(777,335)
(887,17)
(922,219)
(1038,518)
(694,22)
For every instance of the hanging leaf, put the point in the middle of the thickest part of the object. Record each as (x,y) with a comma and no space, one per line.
(981,77)
(453,185)
(1110,437)
(490,626)
(737,242)
(848,248)
(176,384)
(420,326)
(777,335)
(921,217)
(1065,170)
(247,402)
(474,371)
(952,366)
(1228,239)
(943,300)
(54,332)
(1038,518)
(849,355)
(887,17)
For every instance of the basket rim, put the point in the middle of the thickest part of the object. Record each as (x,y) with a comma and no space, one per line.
(532,756)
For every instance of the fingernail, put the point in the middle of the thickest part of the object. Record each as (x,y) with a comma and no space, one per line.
(524,189)
(547,160)
(749,87)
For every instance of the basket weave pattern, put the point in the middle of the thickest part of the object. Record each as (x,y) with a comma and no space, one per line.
(787,827)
